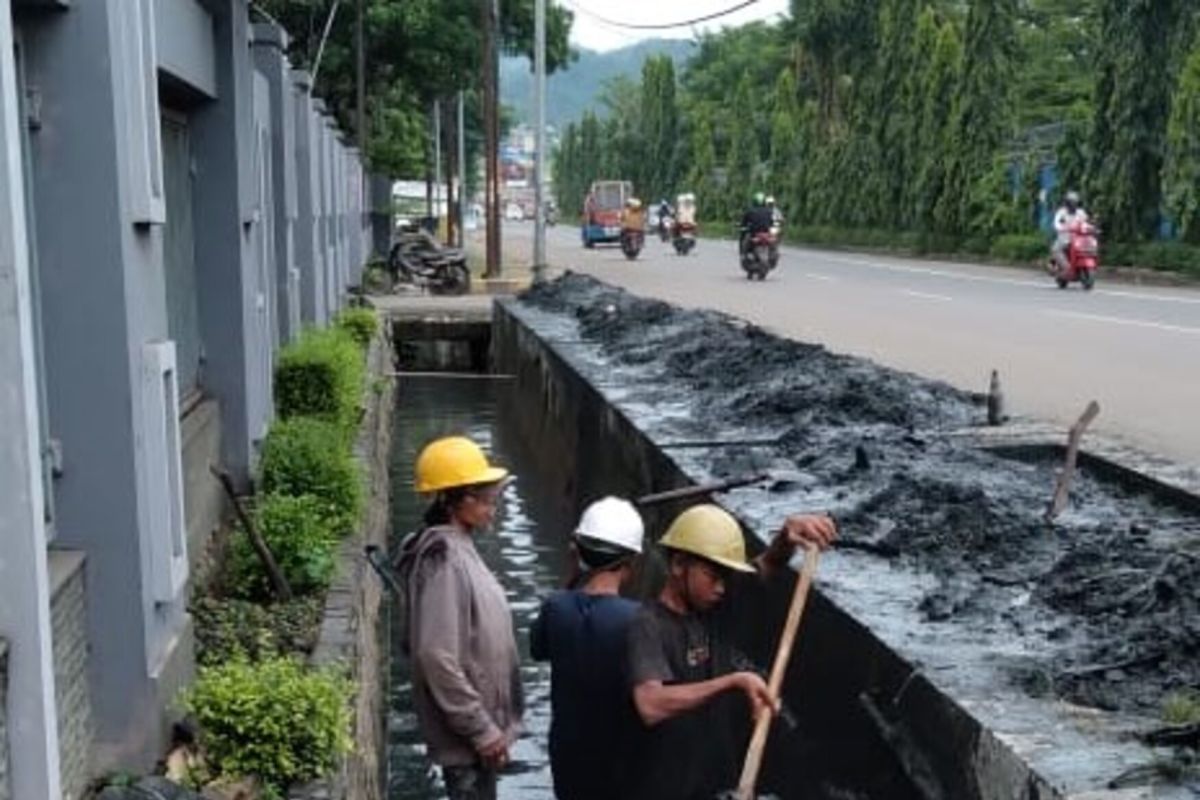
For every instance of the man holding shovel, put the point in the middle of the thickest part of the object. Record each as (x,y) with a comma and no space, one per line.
(681,653)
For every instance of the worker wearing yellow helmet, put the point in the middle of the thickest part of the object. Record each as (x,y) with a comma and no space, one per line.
(457,625)
(684,668)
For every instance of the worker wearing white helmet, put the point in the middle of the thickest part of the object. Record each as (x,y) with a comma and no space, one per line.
(582,631)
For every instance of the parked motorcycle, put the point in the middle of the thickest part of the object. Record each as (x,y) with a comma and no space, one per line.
(683,237)
(760,255)
(632,241)
(1082,257)
(418,258)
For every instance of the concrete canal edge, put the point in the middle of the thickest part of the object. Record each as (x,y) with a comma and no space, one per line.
(353,632)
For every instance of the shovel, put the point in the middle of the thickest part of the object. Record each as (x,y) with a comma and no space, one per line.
(762,726)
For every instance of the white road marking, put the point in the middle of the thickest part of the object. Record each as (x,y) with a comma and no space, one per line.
(926,295)
(1137,323)
(942,273)
(818,277)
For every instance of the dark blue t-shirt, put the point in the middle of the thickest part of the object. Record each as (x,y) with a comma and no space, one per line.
(594,723)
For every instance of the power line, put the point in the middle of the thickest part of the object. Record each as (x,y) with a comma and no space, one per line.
(660,26)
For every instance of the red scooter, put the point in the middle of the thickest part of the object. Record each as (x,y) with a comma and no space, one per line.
(1082,257)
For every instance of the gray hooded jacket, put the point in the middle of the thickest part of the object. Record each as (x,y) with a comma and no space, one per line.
(465,667)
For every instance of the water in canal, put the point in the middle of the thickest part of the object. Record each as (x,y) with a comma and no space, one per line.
(525,549)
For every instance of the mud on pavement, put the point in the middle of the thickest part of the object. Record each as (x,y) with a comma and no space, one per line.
(1112,587)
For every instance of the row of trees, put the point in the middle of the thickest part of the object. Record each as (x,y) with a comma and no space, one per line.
(933,116)
(416,51)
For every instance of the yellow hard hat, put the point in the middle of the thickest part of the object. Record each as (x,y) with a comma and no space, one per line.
(454,461)
(710,532)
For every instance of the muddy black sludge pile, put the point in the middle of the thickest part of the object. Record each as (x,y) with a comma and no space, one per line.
(1104,600)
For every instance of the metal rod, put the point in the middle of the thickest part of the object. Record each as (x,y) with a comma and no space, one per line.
(539,163)
(321,47)
(699,490)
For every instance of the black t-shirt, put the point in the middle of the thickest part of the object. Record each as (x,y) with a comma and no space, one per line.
(697,754)
(594,724)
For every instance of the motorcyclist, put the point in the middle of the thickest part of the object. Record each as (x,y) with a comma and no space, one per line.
(776,214)
(1070,214)
(758,218)
(665,215)
(687,209)
(633,217)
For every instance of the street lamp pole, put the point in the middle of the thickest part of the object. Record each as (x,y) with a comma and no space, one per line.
(539,169)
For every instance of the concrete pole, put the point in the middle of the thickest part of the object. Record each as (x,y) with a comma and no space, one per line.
(462,171)
(539,168)
(24,576)
(437,158)
(491,137)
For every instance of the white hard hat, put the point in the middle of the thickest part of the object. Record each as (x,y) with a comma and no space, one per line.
(612,521)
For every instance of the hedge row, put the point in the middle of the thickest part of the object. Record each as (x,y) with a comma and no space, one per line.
(260,711)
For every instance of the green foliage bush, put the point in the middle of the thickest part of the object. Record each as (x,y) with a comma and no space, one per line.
(1165,256)
(321,374)
(306,456)
(228,629)
(360,323)
(274,720)
(1020,248)
(301,537)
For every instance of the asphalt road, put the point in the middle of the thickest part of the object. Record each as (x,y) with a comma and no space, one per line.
(1136,350)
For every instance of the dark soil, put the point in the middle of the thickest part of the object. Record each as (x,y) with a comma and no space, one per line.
(1113,585)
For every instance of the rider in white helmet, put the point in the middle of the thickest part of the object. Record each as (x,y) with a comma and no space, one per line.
(581,631)
(1068,215)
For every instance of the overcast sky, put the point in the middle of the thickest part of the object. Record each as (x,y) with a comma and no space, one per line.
(590,32)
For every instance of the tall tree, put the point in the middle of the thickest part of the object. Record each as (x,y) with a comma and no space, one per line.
(1132,104)
(982,117)
(659,126)
(890,108)
(785,137)
(916,139)
(742,162)
(937,118)
(701,178)
(1181,175)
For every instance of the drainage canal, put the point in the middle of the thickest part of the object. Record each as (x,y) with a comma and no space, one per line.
(821,750)
(523,551)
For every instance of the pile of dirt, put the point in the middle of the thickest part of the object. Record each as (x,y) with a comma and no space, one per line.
(755,375)
(1116,605)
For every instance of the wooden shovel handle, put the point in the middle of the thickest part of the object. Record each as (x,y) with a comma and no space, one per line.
(762,726)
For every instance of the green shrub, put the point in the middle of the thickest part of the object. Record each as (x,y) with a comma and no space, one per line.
(229,629)
(321,374)
(360,323)
(303,456)
(1165,256)
(273,720)
(1020,248)
(301,537)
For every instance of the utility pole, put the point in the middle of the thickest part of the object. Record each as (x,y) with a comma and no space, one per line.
(462,172)
(361,77)
(437,159)
(491,135)
(539,163)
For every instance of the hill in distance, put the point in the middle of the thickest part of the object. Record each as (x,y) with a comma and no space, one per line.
(574,90)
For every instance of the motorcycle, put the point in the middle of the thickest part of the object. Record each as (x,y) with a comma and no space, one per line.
(632,241)
(1082,257)
(419,259)
(760,254)
(665,225)
(683,237)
